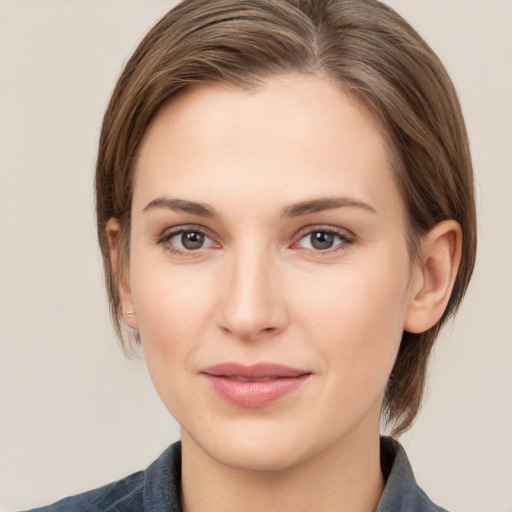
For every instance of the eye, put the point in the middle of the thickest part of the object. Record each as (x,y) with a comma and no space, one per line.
(323,240)
(186,240)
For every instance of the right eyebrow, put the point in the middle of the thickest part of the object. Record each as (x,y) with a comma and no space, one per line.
(182,205)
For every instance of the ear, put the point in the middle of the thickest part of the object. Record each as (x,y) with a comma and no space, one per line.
(112,229)
(434,276)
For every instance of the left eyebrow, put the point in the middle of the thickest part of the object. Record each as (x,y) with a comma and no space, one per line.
(319,205)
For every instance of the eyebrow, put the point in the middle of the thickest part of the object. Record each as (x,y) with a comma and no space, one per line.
(293,210)
(328,203)
(182,205)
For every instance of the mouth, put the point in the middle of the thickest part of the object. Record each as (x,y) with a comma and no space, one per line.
(256,385)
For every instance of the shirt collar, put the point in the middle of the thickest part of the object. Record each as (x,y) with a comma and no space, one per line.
(401,492)
(162,482)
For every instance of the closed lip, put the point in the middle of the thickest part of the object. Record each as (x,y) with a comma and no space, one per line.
(254,386)
(254,371)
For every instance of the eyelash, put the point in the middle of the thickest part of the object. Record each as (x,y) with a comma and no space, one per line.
(342,237)
(166,238)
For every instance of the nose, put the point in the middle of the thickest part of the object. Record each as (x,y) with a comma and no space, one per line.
(253,305)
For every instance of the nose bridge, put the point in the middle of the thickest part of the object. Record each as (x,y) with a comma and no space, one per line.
(253,305)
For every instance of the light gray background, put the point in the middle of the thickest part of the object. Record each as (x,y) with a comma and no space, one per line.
(74,413)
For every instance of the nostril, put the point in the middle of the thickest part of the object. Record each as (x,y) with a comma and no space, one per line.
(249,332)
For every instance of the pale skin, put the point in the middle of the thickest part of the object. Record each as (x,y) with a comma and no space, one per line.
(256,178)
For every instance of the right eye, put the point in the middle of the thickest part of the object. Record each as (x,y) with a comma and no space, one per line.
(187,240)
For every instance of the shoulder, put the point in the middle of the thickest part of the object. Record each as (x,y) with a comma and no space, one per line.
(125,494)
(401,493)
(144,491)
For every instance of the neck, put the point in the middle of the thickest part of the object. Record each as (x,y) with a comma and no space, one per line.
(344,478)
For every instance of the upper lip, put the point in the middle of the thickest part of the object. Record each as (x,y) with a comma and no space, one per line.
(254,371)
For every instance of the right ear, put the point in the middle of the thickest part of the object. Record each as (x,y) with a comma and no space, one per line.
(112,230)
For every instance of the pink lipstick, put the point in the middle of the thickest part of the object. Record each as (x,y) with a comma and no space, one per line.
(256,385)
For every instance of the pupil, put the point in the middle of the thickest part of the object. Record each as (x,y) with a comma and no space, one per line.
(322,240)
(192,240)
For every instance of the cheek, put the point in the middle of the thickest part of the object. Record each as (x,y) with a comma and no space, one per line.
(356,318)
(172,306)
(173,314)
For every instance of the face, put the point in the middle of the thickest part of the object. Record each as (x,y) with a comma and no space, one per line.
(268,269)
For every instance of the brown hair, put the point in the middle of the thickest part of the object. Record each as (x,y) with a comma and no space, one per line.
(364,46)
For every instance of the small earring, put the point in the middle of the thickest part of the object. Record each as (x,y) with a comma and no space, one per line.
(130,314)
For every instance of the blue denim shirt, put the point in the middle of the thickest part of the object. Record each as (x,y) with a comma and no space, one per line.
(157,489)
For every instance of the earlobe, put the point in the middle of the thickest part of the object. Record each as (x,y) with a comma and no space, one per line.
(435,272)
(112,229)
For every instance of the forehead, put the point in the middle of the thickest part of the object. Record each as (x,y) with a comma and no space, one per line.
(288,136)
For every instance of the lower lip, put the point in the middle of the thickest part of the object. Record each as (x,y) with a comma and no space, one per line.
(254,394)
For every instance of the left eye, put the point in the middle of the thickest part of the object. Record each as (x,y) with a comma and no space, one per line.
(322,240)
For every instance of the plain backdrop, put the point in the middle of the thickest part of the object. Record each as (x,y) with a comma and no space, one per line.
(74,413)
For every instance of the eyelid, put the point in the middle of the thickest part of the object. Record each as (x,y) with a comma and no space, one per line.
(336,230)
(169,233)
(346,237)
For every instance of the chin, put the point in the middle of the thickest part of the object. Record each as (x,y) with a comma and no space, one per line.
(266,446)
(258,456)
(251,446)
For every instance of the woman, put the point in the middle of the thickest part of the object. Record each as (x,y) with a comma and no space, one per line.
(286,215)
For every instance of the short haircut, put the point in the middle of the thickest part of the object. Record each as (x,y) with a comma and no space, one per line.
(362,45)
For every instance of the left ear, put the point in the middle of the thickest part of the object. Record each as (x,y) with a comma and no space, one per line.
(434,276)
